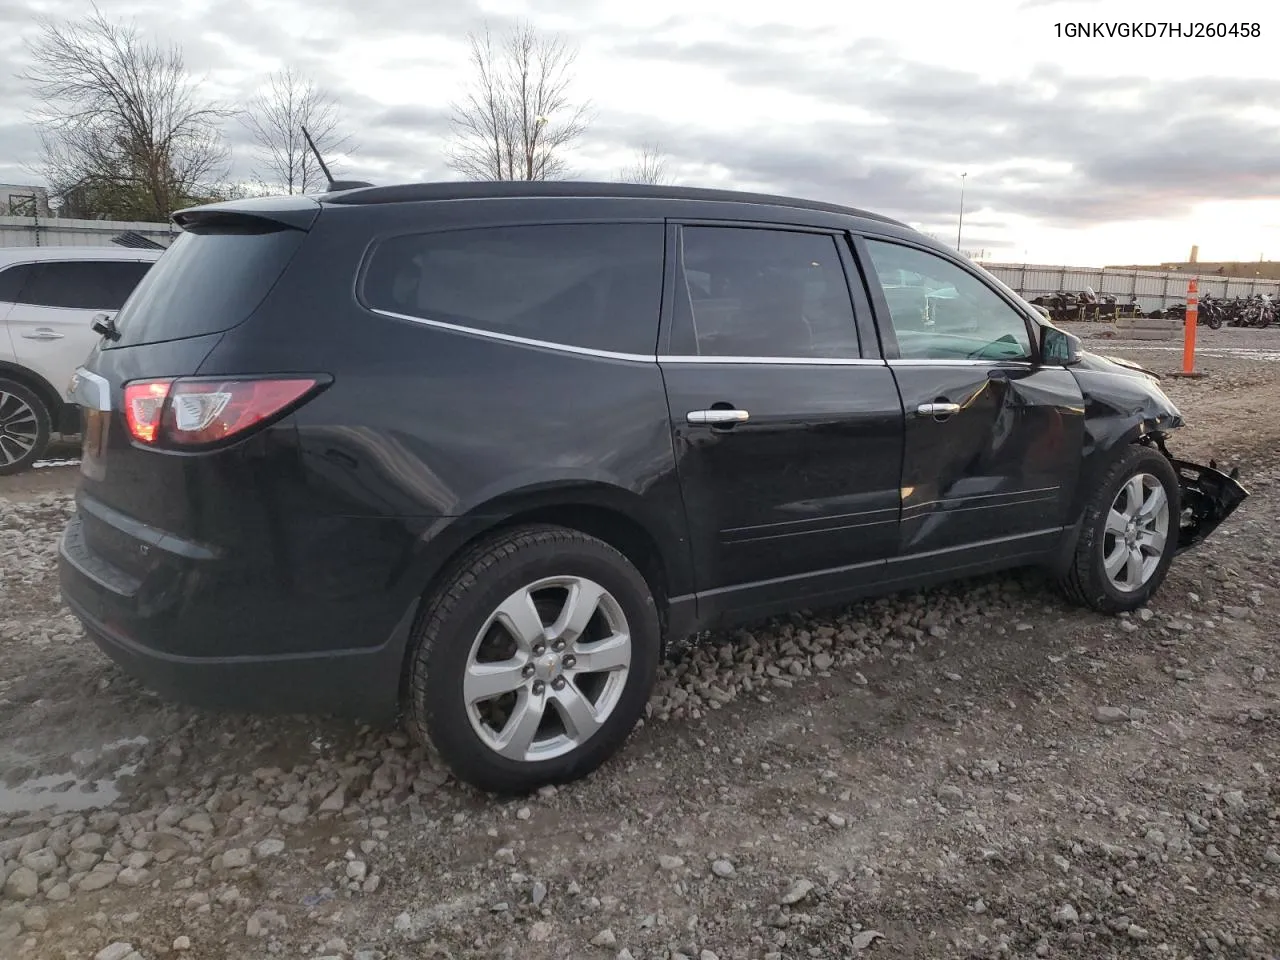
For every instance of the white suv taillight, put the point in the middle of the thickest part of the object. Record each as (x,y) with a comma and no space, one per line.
(197,412)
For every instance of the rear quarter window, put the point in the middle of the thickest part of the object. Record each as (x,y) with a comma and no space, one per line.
(597,286)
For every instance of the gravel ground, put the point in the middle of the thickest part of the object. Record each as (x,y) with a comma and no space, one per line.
(974,771)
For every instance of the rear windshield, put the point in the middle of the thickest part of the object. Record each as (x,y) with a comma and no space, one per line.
(206,282)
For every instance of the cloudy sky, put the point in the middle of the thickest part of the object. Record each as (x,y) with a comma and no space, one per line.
(1082,151)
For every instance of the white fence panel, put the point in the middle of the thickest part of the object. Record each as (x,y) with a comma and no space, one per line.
(60,232)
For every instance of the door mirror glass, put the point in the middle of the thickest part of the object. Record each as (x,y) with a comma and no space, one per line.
(1059,347)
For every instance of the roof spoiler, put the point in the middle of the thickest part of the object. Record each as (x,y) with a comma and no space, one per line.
(296,212)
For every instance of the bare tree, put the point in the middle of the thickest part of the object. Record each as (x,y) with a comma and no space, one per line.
(650,166)
(123,127)
(518,118)
(275,117)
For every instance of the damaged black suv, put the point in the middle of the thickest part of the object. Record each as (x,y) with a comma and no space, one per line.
(477,451)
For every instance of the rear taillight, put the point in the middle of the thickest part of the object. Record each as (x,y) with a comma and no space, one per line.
(188,413)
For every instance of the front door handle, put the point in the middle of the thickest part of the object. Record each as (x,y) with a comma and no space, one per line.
(717,416)
(43,333)
(937,409)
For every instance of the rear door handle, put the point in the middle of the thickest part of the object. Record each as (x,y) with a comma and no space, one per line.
(717,416)
(937,409)
(43,333)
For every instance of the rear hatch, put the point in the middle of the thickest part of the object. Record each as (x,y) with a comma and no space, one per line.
(212,279)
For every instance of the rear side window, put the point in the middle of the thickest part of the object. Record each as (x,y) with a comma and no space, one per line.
(206,282)
(11,282)
(589,285)
(81,284)
(762,293)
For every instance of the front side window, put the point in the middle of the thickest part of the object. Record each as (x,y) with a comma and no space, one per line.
(82,285)
(767,293)
(942,312)
(589,285)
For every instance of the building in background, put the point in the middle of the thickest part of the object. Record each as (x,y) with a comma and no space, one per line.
(1259,269)
(24,200)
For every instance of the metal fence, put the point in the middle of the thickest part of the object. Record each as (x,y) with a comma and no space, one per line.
(64,232)
(1155,289)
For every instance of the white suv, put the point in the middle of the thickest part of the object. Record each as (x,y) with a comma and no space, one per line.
(48,299)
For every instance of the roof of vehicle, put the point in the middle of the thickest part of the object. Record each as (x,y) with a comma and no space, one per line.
(10,255)
(515,189)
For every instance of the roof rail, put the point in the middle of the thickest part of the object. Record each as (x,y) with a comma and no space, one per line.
(515,189)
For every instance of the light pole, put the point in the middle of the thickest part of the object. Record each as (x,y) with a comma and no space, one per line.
(960,225)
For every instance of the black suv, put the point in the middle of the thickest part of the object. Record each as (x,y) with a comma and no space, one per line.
(479,450)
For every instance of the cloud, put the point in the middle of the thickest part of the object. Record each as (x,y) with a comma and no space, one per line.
(866,115)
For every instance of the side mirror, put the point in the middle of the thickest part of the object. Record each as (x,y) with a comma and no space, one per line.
(104,325)
(1059,347)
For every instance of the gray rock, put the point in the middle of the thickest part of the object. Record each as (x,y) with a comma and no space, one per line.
(1136,932)
(1066,915)
(1111,715)
(43,862)
(949,793)
(668,862)
(538,893)
(236,858)
(540,931)
(268,848)
(866,938)
(181,943)
(334,802)
(59,892)
(294,814)
(23,884)
(116,951)
(605,938)
(799,890)
(89,843)
(35,919)
(356,870)
(199,822)
(98,879)
(723,869)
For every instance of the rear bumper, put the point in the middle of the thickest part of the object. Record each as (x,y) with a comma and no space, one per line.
(127,624)
(1209,496)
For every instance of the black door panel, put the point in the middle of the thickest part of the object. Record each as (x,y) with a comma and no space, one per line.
(1003,465)
(993,438)
(808,482)
(795,495)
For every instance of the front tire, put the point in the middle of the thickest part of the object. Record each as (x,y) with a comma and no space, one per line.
(534,660)
(25,427)
(1128,533)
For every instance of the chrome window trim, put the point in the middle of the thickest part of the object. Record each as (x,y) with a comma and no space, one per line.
(792,361)
(520,341)
(903,362)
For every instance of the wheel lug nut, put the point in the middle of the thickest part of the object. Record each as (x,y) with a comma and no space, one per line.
(557,683)
(539,649)
(559,645)
(538,686)
(528,670)
(570,661)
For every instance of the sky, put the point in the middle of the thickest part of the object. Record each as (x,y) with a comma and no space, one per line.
(1074,150)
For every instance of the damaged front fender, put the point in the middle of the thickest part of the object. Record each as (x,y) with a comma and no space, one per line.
(1209,496)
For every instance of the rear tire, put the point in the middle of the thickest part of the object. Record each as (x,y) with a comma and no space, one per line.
(505,649)
(1128,532)
(25,427)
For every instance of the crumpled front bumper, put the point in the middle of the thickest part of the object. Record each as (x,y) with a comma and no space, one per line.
(1209,496)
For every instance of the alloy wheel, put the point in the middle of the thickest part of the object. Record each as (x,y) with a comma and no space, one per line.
(19,428)
(1136,532)
(547,668)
